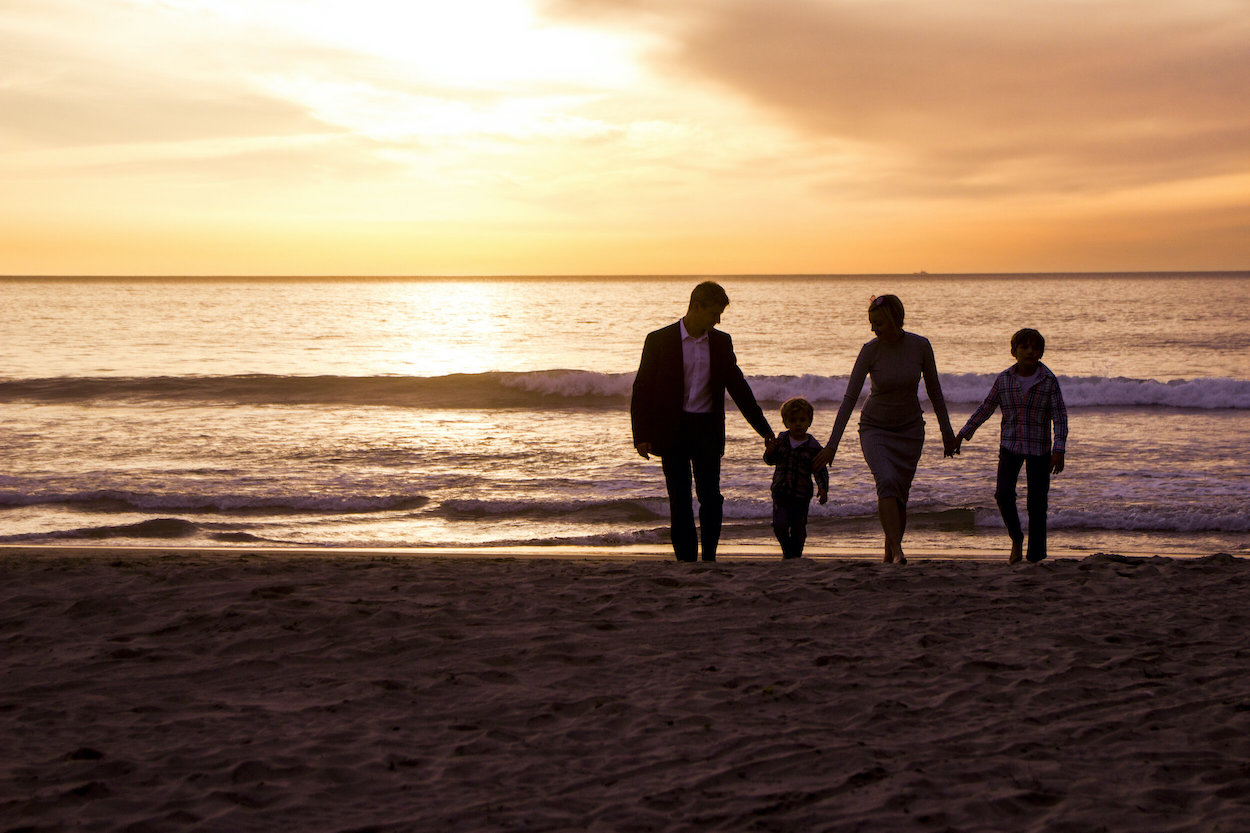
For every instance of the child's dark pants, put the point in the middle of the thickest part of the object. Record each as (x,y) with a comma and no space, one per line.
(1037,477)
(790,525)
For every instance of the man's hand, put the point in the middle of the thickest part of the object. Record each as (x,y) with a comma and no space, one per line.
(822,496)
(644,450)
(1056,462)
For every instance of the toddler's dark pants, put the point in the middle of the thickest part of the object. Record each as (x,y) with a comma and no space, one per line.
(790,524)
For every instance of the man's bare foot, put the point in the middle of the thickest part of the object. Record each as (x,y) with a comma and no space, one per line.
(1017,552)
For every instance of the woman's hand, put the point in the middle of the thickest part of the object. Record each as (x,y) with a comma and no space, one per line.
(824,458)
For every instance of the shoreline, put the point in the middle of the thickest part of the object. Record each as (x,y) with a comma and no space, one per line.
(728,553)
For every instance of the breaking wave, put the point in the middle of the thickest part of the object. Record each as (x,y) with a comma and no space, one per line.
(558,389)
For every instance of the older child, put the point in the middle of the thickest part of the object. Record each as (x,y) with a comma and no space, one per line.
(792,453)
(1031,401)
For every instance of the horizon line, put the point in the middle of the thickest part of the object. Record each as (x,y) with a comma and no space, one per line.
(617,275)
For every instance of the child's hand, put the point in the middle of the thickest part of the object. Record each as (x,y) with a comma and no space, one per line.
(951,447)
(823,497)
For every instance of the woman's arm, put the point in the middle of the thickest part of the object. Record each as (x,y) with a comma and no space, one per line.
(933,387)
(981,414)
(854,386)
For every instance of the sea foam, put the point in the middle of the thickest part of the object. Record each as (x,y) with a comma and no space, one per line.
(562,388)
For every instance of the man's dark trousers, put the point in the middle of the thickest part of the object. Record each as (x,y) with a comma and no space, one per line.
(696,449)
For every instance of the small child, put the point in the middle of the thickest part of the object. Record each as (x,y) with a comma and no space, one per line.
(792,453)
(1031,400)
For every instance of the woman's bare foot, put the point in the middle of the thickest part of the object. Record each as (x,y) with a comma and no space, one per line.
(894,554)
(1017,552)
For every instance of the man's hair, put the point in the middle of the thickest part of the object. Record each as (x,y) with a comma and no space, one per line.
(709,294)
(794,405)
(891,304)
(1028,337)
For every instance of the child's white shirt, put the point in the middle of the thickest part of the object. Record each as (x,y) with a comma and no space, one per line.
(1028,382)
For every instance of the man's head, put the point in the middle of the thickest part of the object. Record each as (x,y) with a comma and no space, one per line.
(709,294)
(707,301)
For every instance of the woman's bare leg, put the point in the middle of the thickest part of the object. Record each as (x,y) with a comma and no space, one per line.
(893,521)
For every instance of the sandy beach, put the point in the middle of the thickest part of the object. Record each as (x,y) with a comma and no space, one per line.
(166,689)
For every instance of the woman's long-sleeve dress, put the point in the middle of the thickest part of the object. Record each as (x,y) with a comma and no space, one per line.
(891,425)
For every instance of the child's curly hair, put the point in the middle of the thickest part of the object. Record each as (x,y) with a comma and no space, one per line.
(796,404)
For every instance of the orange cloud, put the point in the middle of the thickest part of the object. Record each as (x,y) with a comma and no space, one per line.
(980,97)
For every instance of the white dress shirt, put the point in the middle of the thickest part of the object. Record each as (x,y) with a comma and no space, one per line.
(696,358)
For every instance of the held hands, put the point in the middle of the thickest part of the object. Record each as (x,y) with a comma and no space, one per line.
(824,458)
(950,446)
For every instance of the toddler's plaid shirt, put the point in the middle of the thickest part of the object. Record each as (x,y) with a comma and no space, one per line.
(792,477)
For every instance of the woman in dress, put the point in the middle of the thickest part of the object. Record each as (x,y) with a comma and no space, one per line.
(891,424)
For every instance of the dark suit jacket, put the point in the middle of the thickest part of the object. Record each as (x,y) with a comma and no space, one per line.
(656,406)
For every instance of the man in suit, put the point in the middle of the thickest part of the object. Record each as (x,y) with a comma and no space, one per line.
(678,412)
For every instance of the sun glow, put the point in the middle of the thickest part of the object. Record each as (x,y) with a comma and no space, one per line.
(392,115)
(484,44)
(493,45)
(615,136)
(434,71)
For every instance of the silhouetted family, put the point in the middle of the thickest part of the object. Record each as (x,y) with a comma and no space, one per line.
(678,413)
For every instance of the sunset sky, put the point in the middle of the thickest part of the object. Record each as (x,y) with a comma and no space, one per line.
(623,136)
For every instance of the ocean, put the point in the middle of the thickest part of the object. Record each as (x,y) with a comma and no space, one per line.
(493,412)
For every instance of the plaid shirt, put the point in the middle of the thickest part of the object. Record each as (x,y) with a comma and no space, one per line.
(792,477)
(1026,417)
